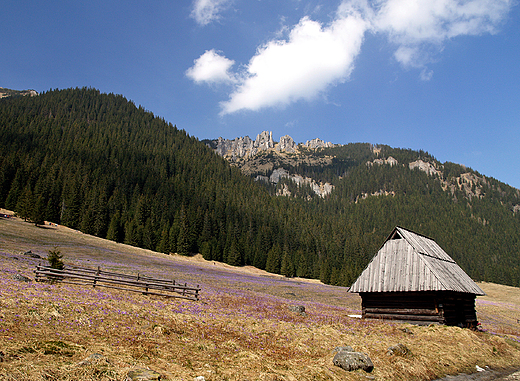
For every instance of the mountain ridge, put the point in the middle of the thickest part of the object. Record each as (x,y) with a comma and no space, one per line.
(268,160)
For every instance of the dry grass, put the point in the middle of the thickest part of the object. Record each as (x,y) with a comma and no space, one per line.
(242,328)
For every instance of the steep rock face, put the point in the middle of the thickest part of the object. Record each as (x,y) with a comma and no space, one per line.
(264,141)
(321,189)
(425,167)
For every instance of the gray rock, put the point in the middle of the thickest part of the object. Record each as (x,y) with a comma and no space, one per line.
(21,278)
(350,361)
(143,375)
(399,350)
(298,309)
(93,358)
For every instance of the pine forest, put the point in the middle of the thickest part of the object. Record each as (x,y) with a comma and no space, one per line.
(100,164)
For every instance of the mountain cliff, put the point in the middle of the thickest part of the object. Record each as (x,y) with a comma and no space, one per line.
(270,161)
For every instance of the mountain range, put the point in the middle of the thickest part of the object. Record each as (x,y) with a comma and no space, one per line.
(100,164)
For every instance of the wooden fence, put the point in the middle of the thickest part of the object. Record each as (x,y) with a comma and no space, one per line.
(100,278)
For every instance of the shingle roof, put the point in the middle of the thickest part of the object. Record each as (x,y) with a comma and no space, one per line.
(408,261)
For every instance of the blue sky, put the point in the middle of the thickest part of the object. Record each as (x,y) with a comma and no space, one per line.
(438,75)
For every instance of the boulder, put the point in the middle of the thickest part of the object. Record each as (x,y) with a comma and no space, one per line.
(350,361)
(143,375)
(21,278)
(298,309)
(398,350)
(94,358)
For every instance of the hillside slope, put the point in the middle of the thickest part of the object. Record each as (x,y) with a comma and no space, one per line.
(98,163)
(243,327)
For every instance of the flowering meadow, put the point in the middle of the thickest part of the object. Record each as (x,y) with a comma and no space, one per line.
(241,329)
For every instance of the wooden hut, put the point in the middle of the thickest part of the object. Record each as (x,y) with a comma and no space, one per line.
(411,278)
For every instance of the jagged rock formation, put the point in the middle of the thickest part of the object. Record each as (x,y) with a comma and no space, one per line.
(317,143)
(286,144)
(246,148)
(244,152)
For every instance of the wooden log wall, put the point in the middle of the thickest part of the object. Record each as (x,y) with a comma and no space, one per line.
(450,308)
(413,307)
(459,309)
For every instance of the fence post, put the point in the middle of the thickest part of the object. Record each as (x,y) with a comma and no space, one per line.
(96,277)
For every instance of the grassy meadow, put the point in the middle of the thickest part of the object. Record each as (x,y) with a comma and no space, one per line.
(241,329)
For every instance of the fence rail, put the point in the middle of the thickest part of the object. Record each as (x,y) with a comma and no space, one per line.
(134,283)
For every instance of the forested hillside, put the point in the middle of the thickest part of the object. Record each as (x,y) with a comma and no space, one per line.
(97,163)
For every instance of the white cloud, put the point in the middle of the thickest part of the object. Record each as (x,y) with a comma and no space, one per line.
(304,65)
(211,68)
(313,57)
(207,11)
(418,26)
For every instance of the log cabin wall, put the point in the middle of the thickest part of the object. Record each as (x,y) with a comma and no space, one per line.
(415,307)
(459,309)
(448,308)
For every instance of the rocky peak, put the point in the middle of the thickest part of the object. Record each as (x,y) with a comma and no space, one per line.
(286,144)
(317,143)
(264,141)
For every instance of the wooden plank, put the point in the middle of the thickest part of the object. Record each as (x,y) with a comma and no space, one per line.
(402,311)
(424,318)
